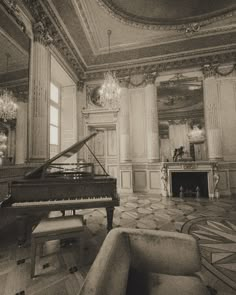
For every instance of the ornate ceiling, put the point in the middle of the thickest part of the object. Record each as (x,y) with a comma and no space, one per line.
(168,12)
(150,35)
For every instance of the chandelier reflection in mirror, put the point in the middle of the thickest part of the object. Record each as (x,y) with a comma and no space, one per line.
(110,90)
(8,107)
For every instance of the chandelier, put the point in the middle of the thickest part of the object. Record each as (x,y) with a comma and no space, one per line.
(110,89)
(8,107)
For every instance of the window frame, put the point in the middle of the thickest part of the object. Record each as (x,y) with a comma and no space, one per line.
(58,107)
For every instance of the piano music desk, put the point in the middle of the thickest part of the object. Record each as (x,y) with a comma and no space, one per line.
(63,227)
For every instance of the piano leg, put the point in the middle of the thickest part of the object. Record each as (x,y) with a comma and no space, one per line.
(21,229)
(110,211)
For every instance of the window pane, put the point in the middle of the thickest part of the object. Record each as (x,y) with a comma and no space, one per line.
(53,115)
(53,135)
(54,93)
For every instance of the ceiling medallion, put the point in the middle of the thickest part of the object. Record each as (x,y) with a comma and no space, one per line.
(150,15)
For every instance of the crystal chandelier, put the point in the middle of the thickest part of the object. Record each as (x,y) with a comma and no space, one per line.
(8,107)
(110,90)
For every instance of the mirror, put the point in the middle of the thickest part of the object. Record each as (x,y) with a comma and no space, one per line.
(181,119)
(14,78)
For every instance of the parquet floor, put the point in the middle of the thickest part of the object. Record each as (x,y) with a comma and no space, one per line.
(54,269)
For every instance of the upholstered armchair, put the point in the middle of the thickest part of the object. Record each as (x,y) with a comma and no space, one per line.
(135,262)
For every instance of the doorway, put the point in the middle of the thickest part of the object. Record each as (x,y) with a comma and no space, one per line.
(104,146)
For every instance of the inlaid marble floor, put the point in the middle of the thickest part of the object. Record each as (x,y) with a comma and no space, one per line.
(213,223)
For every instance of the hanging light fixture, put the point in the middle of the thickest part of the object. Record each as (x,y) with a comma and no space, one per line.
(8,107)
(110,89)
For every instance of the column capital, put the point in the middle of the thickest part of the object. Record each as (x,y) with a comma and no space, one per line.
(41,34)
(124,82)
(80,85)
(209,70)
(150,78)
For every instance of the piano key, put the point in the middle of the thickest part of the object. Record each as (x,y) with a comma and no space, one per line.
(61,202)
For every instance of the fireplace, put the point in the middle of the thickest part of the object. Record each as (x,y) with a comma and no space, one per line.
(190,184)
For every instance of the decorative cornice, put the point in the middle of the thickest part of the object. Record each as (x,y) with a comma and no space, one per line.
(13,9)
(138,80)
(42,12)
(41,34)
(188,24)
(184,62)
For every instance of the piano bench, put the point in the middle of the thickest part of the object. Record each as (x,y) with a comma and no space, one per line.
(63,227)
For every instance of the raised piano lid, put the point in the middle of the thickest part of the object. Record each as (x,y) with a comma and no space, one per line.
(64,155)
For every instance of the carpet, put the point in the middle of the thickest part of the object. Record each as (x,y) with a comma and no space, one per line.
(217,240)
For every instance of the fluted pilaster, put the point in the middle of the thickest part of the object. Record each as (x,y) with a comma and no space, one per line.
(153,148)
(21,132)
(124,123)
(212,115)
(39,100)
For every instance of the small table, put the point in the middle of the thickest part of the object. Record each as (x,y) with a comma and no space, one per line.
(63,227)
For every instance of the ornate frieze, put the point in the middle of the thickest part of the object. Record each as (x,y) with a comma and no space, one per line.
(138,80)
(186,60)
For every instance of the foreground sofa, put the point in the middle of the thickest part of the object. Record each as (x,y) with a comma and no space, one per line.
(135,262)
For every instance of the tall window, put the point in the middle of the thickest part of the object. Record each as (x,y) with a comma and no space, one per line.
(54,119)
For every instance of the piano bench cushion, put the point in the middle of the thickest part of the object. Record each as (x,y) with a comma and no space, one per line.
(59,225)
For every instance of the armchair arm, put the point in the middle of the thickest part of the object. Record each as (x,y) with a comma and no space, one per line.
(110,268)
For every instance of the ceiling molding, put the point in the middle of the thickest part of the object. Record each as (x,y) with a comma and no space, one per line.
(184,62)
(86,18)
(165,56)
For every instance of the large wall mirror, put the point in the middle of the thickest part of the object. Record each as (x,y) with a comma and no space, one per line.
(181,119)
(14,82)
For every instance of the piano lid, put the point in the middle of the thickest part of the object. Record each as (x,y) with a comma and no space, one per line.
(64,155)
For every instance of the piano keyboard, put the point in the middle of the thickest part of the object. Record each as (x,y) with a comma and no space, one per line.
(61,202)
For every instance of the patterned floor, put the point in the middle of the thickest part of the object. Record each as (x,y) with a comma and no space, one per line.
(213,223)
(217,240)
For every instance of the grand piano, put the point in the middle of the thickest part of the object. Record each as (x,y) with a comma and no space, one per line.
(60,186)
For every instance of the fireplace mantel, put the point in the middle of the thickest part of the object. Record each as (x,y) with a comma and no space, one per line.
(173,167)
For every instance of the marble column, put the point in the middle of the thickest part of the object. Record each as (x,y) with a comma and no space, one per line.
(39,98)
(124,123)
(212,114)
(153,147)
(21,132)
